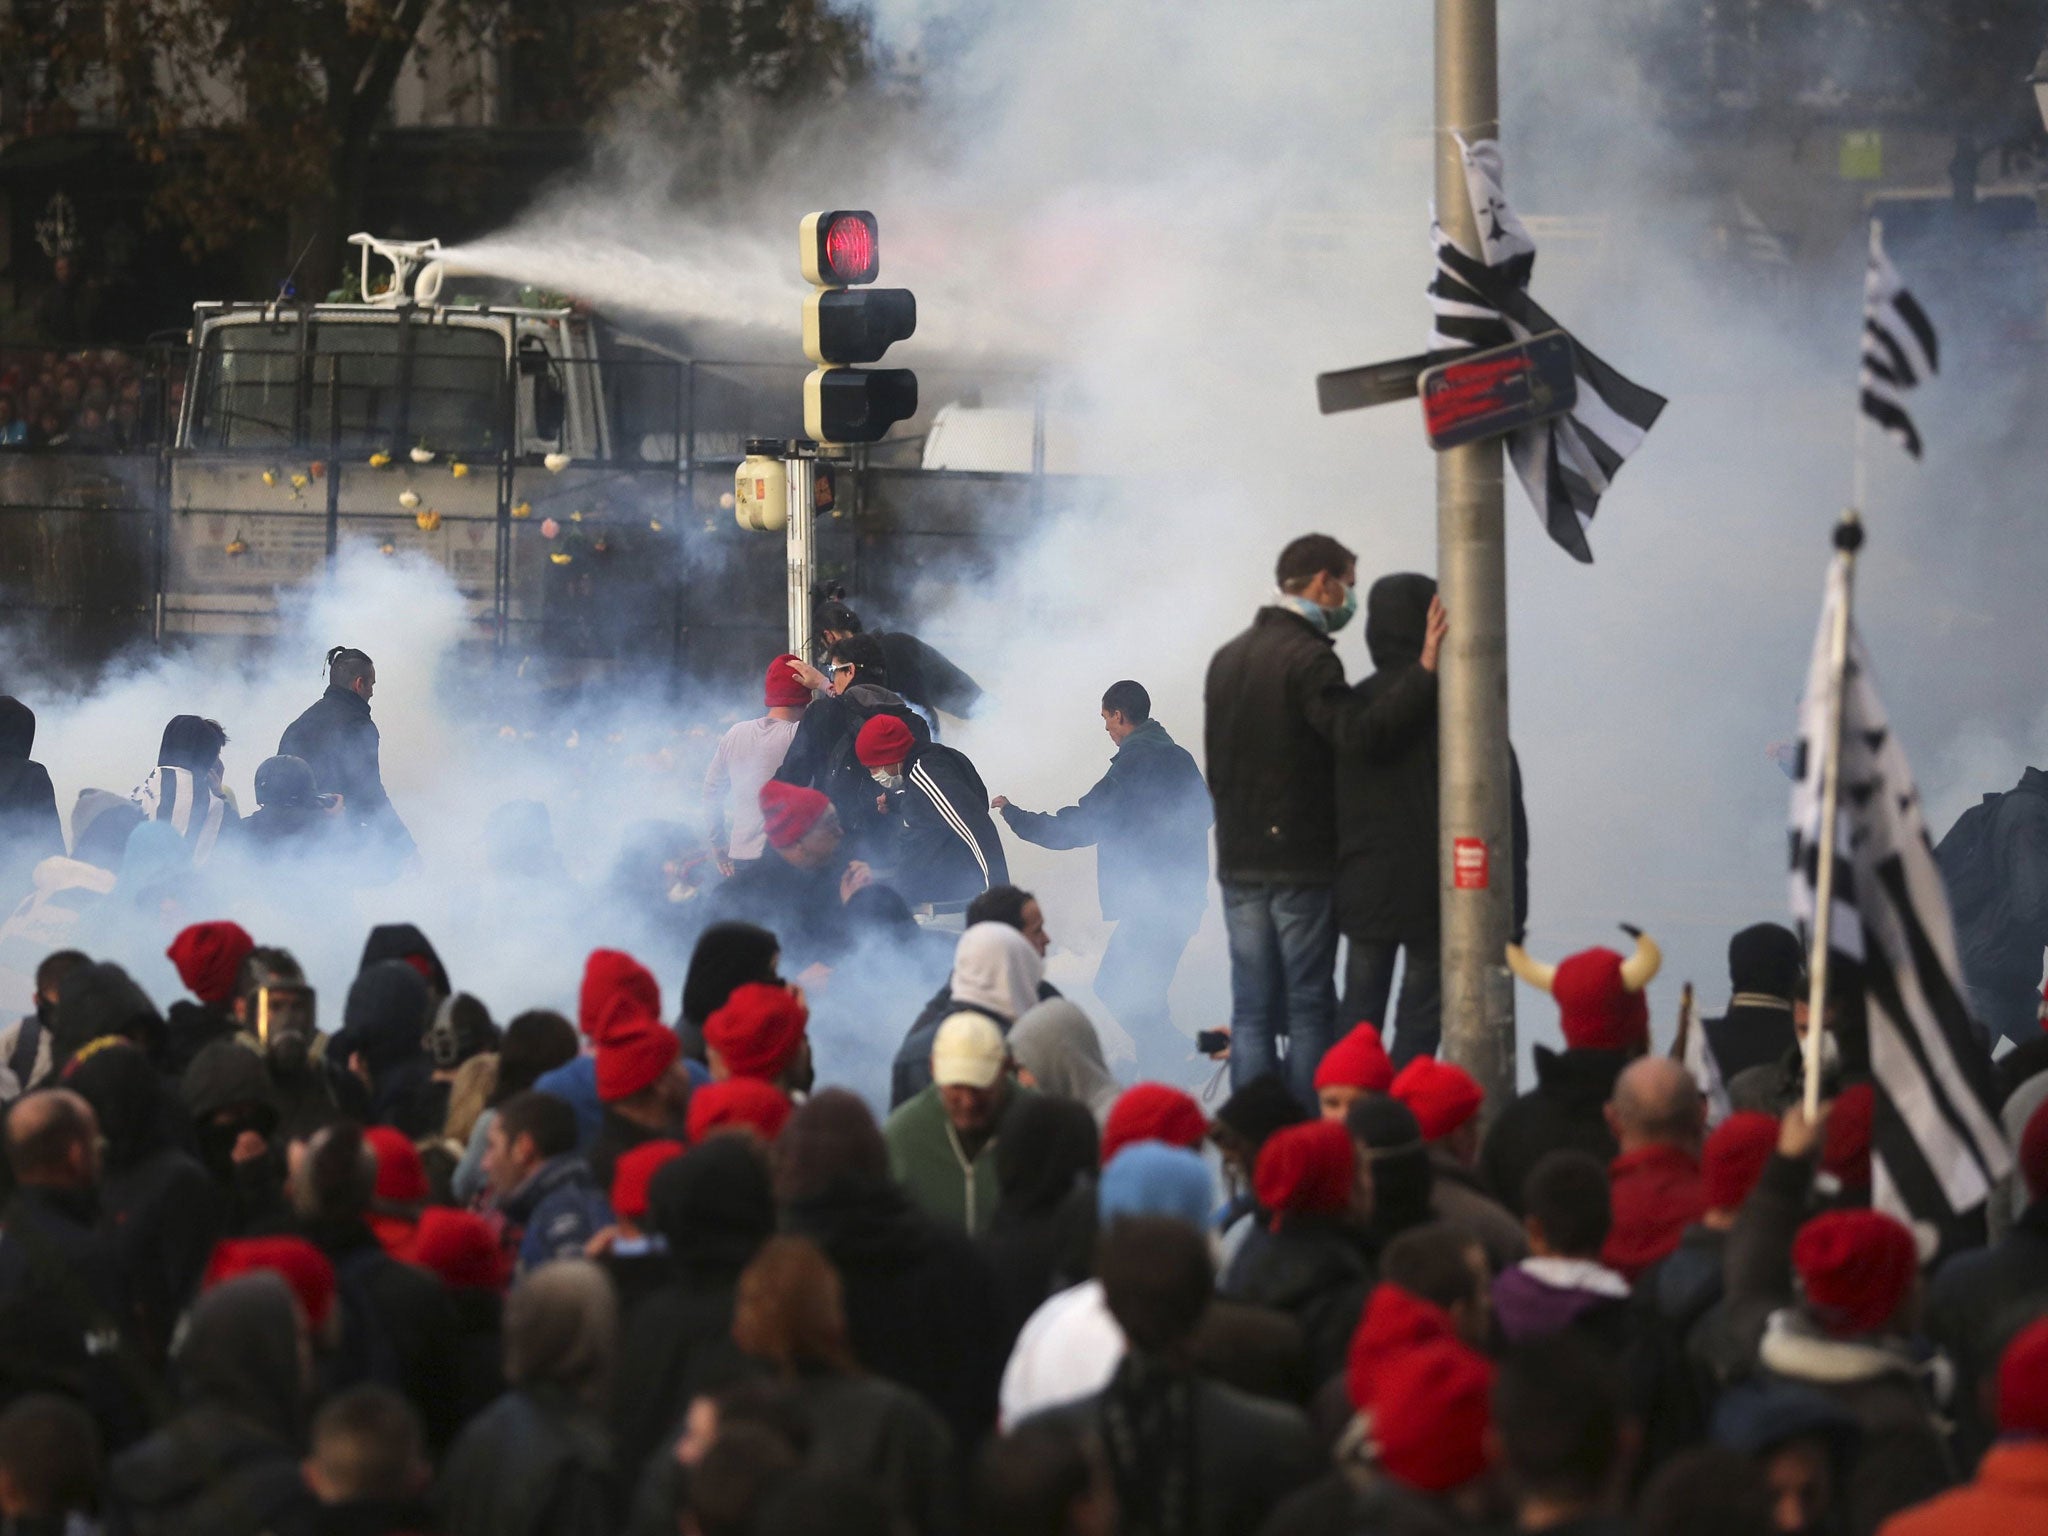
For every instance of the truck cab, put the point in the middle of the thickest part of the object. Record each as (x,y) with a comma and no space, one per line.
(409,421)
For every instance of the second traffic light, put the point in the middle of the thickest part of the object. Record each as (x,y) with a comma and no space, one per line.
(844,325)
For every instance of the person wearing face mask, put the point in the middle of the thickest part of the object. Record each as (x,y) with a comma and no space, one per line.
(1275,705)
(940,844)
(25,1060)
(854,689)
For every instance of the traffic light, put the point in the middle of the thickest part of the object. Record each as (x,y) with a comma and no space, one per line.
(846,324)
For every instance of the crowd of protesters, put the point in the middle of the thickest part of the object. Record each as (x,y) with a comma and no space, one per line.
(103,400)
(639,1267)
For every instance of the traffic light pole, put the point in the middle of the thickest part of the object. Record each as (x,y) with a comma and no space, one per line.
(800,543)
(1476,853)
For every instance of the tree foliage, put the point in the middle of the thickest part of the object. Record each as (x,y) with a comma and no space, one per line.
(257,113)
(1957,66)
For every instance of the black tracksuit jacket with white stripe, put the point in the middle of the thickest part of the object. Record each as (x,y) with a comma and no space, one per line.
(943,845)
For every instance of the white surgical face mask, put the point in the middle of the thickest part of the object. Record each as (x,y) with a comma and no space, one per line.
(886,779)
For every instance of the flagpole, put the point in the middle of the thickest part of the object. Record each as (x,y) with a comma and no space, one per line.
(1848,539)
(1858,472)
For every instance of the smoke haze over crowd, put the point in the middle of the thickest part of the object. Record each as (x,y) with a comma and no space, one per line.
(1183,225)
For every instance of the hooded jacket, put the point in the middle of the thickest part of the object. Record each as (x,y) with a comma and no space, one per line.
(1274,703)
(1766,972)
(938,843)
(1541,1297)
(1887,1389)
(403,941)
(1565,1110)
(1058,1046)
(1148,821)
(713,1207)
(227,1078)
(921,1303)
(30,829)
(1043,1232)
(101,1000)
(338,740)
(385,1021)
(157,1203)
(996,973)
(228,1463)
(1387,781)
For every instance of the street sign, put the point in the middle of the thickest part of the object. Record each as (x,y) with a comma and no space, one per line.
(1487,394)
(1353,389)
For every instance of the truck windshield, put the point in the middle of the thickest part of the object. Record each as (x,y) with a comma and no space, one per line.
(397,384)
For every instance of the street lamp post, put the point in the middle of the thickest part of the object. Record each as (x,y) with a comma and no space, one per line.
(1475,833)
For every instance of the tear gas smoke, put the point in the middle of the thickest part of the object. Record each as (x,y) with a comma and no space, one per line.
(1185,212)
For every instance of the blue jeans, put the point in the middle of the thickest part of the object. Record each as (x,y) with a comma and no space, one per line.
(1369,983)
(1283,963)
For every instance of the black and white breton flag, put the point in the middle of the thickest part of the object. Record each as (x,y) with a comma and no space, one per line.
(1481,299)
(1935,1146)
(1899,348)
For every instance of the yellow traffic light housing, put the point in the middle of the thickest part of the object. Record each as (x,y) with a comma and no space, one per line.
(844,324)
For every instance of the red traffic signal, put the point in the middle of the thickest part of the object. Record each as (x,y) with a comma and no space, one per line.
(841,248)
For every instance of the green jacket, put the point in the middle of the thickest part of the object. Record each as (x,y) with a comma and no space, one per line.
(926,1158)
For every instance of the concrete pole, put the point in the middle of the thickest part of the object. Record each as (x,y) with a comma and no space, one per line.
(1476,857)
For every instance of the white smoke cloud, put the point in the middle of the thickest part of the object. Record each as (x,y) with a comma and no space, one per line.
(1183,212)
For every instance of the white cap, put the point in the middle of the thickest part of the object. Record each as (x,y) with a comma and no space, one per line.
(969,1052)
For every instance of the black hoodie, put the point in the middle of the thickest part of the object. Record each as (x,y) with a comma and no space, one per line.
(921,1302)
(30,829)
(101,1000)
(157,1202)
(713,1207)
(1387,889)
(228,1463)
(402,941)
(1565,1111)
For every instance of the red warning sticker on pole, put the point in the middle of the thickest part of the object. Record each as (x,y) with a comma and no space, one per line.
(1468,864)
